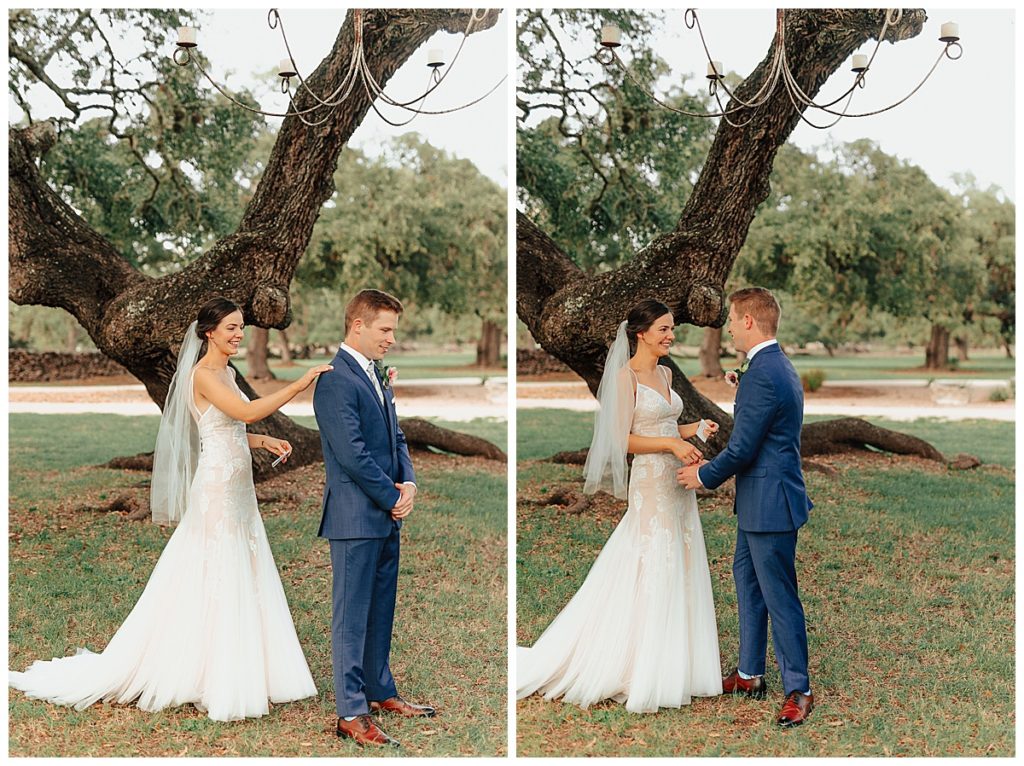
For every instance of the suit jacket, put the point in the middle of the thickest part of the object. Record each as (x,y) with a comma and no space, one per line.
(365,453)
(764,447)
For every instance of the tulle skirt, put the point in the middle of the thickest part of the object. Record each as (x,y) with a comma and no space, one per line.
(641,629)
(211,628)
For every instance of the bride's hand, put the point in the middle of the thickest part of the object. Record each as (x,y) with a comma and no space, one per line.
(277,447)
(686,452)
(313,373)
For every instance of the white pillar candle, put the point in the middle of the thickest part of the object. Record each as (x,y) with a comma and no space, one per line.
(285,68)
(611,36)
(435,57)
(860,62)
(714,69)
(950,32)
(186,37)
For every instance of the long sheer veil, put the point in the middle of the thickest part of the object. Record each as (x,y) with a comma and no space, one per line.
(606,461)
(177,441)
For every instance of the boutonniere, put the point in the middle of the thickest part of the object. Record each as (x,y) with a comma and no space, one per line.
(388,374)
(732,377)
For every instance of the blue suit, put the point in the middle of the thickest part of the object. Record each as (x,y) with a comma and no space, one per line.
(365,455)
(771,505)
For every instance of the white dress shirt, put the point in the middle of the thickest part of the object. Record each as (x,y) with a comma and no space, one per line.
(367,366)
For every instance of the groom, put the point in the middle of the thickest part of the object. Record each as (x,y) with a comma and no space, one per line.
(771,505)
(370,488)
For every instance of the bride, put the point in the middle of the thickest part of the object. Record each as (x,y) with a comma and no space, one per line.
(641,629)
(212,626)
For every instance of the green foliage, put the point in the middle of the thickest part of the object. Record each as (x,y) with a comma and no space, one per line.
(600,167)
(416,222)
(863,243)
(812,379)
(151,174)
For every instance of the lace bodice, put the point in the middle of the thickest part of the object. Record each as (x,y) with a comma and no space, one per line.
(653,415)
(222,488)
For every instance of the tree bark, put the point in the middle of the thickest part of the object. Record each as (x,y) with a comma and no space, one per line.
(488,348)
(422,433)
(57,259)
(961,348)
(711,353)
(71,339)
(573,315)
(936,355)
(286,350)
(256,354)
(829,437)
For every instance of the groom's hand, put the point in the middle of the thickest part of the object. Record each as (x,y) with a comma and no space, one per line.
(405,501)
(687,476)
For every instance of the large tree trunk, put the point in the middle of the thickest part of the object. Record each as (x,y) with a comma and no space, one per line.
(711,353)
(936,355)
(573,315)
(286,350)
(57,259)
(488,348)
(256,354)
(961,347)
(71,339)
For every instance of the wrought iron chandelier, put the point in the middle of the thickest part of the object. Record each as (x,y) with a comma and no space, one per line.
(358,74)
(611,38)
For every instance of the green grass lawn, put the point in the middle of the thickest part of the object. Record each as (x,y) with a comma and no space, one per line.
(907,578)
(75,574)
(412,365)
(983,364)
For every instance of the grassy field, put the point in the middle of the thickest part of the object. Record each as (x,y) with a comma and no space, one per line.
(984,363)
(412,365)
(907,577)
(75,573)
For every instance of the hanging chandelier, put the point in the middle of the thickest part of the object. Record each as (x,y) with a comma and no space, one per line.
(611,38)
(358,74)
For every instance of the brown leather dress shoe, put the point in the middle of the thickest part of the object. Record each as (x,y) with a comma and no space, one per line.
(753,687)
(795,709)
(401,707)
(363,730)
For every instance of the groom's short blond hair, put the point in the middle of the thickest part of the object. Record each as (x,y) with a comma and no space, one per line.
(367,304)
(761,305)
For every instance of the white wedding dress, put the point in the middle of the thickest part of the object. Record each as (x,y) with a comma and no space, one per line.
(212,626)
(641,629)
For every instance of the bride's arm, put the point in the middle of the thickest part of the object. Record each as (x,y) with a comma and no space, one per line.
(645,445)
(227,401)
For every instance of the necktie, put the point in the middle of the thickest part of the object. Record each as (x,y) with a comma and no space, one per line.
(372,372)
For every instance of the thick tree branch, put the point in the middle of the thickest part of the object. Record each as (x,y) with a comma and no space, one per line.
(574,316)
(56,259)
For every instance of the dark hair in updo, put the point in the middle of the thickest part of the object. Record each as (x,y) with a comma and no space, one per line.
(211,313)
(640,319)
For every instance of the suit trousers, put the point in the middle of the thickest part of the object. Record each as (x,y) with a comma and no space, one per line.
(363,611)
(764,568)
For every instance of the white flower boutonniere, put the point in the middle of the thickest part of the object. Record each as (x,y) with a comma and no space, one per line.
(388,374)
(732,377)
